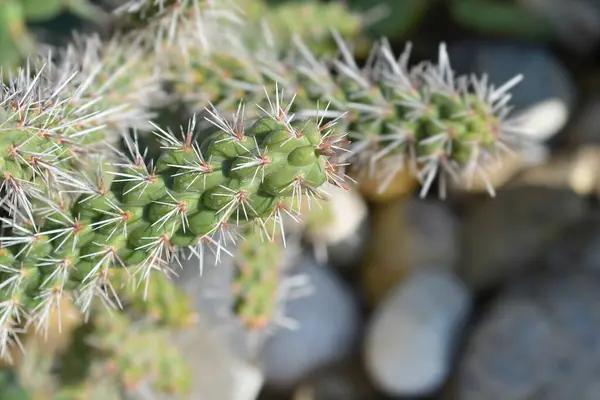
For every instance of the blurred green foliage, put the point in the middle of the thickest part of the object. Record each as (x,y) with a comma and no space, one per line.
(396,19)
(16,40)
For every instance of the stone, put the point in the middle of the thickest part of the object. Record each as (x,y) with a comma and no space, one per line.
(338,227)
(410,340)
(578,170)
(328,324)
(578,247)
(408,235)
(539,339)
(503,236)
(218,373)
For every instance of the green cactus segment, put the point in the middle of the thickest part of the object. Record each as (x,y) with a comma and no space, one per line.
(164,303)
(163,368)
(110,354)
(257,281)
(111,357)
(80,222)
(443,127)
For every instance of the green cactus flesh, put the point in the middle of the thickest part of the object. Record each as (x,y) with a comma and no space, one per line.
(72,219)
(257,280)
(422,117)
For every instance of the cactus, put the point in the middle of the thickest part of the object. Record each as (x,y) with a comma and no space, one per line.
(87,216)
(421,118)
(257,280)
(284,19)
(112,353)
(75,213)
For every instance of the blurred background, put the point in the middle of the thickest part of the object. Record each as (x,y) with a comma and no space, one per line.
(393,296)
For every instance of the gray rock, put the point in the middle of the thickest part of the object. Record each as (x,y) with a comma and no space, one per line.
(578,247)
(411,338)
(503,236)
(435,234)
(218,373)
(340,238)
(539,340)
(328,325)
(543,100)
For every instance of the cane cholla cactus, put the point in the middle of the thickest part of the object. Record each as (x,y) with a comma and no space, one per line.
(112,356)
(424,118)
(421,117)
(164,304)
(264,283)
(76,210)
(257,280)
(120,75)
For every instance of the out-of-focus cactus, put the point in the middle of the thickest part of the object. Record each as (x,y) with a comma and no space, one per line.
(163,304)
(257,280)
(16,41)
(423,118)
(284,19)
(288,19)
(114,354)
